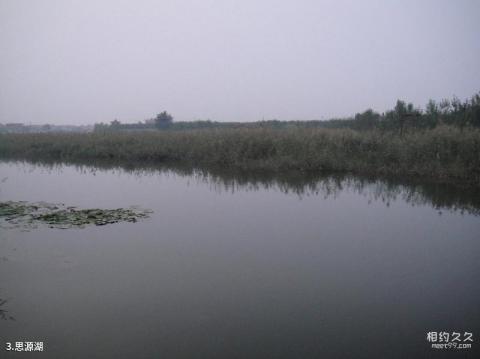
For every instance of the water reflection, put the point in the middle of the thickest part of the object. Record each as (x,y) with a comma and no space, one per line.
(247,275)
(442,197)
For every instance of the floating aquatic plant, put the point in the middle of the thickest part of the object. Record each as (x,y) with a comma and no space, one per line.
(24,214)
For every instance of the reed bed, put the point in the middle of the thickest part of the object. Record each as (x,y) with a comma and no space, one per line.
(444,153)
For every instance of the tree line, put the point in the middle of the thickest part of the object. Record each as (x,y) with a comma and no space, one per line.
(403,117)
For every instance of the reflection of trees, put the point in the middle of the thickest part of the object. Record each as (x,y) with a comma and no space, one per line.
(439,196)
(387,190)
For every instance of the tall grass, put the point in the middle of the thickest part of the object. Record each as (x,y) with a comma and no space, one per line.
(443,153)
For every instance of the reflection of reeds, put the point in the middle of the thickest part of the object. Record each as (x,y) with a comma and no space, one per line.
(3,312)
(441,196)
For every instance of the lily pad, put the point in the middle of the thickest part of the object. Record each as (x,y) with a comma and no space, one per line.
(24,214)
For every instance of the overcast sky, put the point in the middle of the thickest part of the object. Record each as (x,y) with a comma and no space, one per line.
(80,62)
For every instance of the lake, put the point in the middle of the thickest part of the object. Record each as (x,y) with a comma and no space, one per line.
(236,266)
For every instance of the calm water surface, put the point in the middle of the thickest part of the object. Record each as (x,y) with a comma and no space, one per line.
(231,267)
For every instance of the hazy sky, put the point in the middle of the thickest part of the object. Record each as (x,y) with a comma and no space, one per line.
(67,62)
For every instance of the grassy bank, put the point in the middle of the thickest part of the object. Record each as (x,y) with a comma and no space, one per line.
(444,153)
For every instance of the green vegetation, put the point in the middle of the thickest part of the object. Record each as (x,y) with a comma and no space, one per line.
(441,143)
(25,215)
(403,116)
(444,153)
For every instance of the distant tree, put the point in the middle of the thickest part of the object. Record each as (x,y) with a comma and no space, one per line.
(101,128)
(163,120)
(115,124)
(475,110)
(445,106)
(404,113)
(400,112)
(366,120)
(432,112)
(150,122)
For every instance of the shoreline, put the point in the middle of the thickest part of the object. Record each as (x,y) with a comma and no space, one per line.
(441,155)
